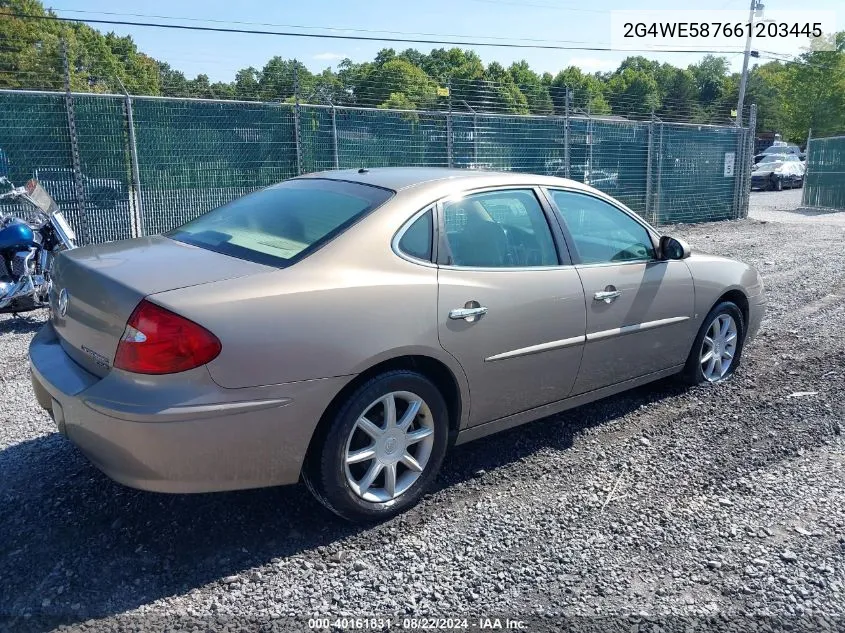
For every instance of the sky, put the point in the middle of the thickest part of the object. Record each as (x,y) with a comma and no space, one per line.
(559,22)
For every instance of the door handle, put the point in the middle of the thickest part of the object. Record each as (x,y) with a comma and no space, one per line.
(467,313)
(607,295)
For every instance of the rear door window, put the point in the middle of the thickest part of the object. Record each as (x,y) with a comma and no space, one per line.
(416,241)
(505,228)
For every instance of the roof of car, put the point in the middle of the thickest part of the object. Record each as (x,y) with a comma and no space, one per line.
(398,178)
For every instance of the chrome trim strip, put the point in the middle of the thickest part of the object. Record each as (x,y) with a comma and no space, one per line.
(637,327)
(150,413)
(536,349)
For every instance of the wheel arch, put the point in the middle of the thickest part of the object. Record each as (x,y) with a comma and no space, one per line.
(738,297)
(452,384)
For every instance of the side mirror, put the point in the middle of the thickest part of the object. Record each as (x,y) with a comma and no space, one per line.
(673,248)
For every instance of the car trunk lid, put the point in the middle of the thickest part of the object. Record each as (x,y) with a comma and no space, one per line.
(95,289)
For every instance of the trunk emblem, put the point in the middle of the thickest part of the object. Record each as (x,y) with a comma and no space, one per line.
(63,299)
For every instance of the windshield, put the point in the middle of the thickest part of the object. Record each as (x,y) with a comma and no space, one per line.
(282,223)
(772,158)
(780,149)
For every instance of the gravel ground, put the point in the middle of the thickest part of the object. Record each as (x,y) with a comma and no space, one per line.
(665,504)
(785,206)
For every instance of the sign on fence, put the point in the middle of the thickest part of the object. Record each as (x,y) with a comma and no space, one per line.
(730,159)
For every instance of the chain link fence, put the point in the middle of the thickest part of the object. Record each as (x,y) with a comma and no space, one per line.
(148,164)
(824,182)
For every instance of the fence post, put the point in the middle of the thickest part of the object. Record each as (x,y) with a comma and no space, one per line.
(648,167)
(658,206)
(449,148)
(566,132)
(296,111)
(334,138)
(475,138)
(588,174)
(748,157)
(806,168)
(739,170)
(137,223)
(78,186)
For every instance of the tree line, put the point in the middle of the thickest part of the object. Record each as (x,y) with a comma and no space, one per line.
(791,96)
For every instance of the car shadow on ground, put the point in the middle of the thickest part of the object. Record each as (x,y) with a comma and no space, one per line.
(76,545)
(20,324)
(811,212)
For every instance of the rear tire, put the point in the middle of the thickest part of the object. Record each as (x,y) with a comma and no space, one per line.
(714,338)
(363,465)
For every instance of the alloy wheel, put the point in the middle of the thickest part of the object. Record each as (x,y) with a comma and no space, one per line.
(389,446)
(719,348)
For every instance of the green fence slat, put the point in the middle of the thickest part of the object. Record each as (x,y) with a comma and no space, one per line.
(194,155)
(825,181)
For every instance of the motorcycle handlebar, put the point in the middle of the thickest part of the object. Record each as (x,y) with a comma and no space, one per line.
(14,193)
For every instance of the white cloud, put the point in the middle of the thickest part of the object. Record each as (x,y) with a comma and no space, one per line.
(330,56)
(592,64)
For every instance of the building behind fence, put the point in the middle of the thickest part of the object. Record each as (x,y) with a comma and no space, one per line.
(824,185)
(127,166)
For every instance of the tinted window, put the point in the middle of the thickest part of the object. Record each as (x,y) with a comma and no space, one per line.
(281,223)
(416,241)
(601,232)
(498,229)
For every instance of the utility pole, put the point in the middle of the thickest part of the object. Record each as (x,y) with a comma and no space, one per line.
(756,8)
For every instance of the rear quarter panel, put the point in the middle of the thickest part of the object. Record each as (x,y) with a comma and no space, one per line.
(341,310)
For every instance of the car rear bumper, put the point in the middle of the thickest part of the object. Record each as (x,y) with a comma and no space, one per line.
(183,432)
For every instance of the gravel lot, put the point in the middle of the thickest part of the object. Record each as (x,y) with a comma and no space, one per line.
(723,502)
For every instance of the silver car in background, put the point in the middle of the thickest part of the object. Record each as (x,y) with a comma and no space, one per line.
(345,328)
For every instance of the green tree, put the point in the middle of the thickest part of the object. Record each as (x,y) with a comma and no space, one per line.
(813,92)
(531,85)
(173,82)
(397,76)
(502,94)
(711,78)
(678,94)
(633,91)
(246,83)
(587,91)
(277,78)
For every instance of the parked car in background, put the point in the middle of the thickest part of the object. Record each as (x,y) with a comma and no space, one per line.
(777,172)
(346,328)
(781,148)
(606,181)
(102,193)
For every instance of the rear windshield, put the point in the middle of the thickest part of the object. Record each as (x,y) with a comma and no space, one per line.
(282,223)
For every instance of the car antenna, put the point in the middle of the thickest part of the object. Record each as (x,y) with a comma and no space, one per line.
(363,170)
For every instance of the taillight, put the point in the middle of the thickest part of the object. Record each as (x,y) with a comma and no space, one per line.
(158,341)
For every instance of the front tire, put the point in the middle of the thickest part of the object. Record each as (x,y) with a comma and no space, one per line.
(717,349)
(381,451)
(777,184)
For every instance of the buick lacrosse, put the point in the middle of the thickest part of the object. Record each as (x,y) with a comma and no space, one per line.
(346,328)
